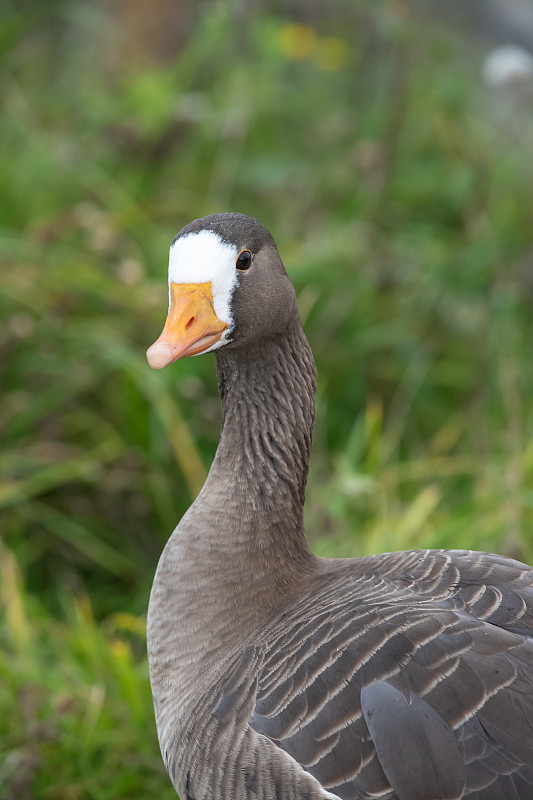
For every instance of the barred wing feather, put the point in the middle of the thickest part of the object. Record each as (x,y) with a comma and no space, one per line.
(375,692)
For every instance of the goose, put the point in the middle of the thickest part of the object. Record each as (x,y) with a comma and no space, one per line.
(279,675)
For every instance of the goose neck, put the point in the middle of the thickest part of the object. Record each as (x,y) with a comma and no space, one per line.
(268,412)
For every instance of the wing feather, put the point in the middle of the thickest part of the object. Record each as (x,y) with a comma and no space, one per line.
(427,684)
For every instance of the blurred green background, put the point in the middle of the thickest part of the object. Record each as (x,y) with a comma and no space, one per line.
(399,189)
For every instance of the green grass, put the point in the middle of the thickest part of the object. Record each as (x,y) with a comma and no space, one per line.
(75,699)
(399,191)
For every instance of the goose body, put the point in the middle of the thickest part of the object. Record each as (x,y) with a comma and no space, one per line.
(277,675)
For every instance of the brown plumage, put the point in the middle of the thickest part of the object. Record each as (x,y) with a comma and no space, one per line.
(278,675)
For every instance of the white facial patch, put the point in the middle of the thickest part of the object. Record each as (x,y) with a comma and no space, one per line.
(202,258)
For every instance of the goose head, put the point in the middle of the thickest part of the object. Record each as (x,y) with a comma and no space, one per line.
(227,287)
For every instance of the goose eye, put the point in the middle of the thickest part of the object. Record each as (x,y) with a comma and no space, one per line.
(244,260)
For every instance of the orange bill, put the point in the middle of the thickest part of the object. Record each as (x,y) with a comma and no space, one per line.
(192,325)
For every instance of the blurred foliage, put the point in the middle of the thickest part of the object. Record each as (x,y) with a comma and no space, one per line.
(399,191)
